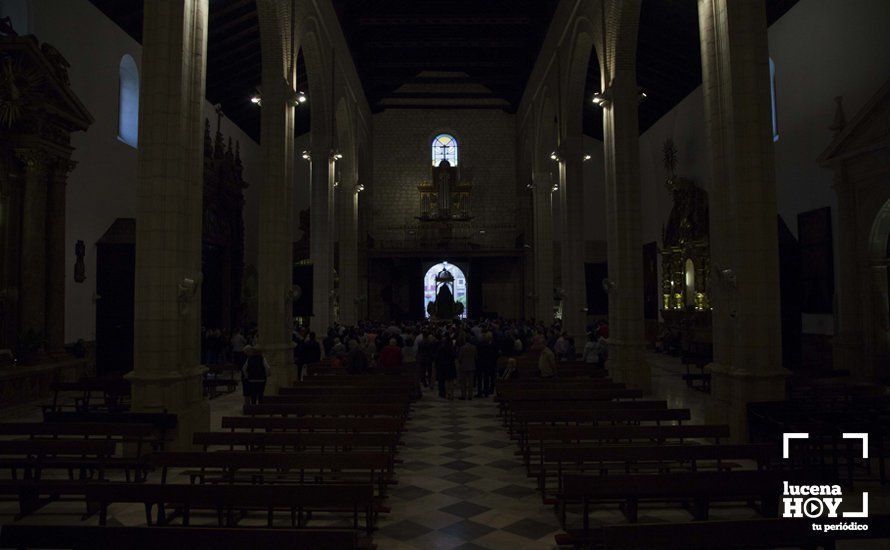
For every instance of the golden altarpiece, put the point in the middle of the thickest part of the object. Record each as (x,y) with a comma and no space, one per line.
(38,113)
(685,259)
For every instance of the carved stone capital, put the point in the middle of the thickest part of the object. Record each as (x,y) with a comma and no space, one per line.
(36,162)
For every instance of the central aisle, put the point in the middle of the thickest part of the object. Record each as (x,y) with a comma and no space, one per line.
(461,486)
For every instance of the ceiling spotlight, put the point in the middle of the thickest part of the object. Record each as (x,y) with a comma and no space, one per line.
(587,157)
(306,155)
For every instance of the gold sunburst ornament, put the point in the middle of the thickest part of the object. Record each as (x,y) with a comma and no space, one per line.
(16,81)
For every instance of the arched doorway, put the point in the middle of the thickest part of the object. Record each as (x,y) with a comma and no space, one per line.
(460,285)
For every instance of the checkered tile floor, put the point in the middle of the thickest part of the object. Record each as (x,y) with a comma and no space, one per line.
(461,486)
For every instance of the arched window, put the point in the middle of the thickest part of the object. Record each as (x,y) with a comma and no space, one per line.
(444,148)
(128,115)
(772,94)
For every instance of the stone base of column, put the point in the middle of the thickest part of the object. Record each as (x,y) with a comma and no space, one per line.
(627,364)
(179,393)
(281,361)
(732,388)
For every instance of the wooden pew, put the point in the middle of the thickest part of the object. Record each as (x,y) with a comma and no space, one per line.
(275,467)
(524,419)
(34,456)
(134,439)
(579,459)
(523,407)
(163,422)
(90,394)
(173,538)
(327,409)
(701,488)
(540,435)
(338,424)
(372,397)
(221,376)
(300,442)
(356,498)
(737,534)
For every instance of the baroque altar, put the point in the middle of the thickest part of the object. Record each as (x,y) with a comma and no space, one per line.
(38,114)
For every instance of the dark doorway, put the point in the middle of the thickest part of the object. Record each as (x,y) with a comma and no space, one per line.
(115,276)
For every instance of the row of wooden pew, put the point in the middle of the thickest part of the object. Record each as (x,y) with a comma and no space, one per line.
(319,454)
(592,444)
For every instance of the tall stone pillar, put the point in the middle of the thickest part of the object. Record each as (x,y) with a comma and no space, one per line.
(623,231)
(55,258)
(848,345)
(348,225)
(167,373)
(744,242)
(32,290)
(275,253)
(321,251)
(571,196)
(543,246)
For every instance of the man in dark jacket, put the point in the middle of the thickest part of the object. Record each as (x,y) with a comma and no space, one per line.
(486,365)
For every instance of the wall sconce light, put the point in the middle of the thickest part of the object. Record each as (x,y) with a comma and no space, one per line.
(336,155)
(300,98)
(306,155)
(336,184)
(642,95)
(602,99)
(609,285)
(587,157)
(256,98)
(554,156)
(555,188)
(359,187)
(530,186)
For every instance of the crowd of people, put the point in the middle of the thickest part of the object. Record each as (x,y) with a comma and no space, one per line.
(460,356)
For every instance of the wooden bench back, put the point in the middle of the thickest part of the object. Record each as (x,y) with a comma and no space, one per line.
(605,415)
(327,409)
(538,432)
(172,538)
(329,440)
(313,423)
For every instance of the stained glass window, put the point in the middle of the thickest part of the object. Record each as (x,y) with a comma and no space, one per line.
(444,148)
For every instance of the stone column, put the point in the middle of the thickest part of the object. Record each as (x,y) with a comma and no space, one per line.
(348,222)
(571,194)
(55,258)
(167,373)
(543,246)
(847,346)
(320,243)
(32,290)
(744,242)
(275,253)
(623,232)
